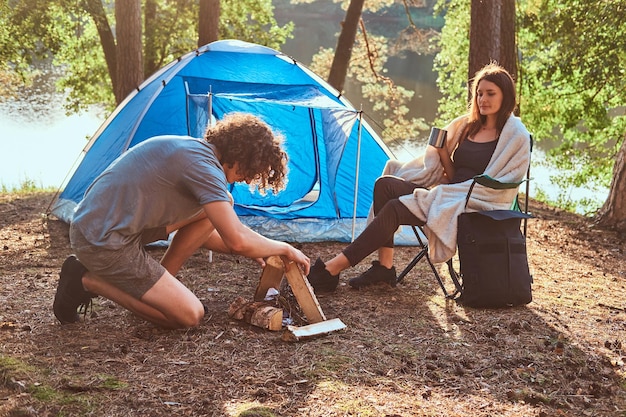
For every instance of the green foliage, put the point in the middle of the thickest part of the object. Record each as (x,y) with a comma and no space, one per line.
(574,82)
(86,79)
(386,97)
(452,62)
(367,69)
(112,383)
(15,374)
(32,30)
(9,82)
(11,368)
(174,17)
(253,21)
(257,412)
(14,20)
(26,186)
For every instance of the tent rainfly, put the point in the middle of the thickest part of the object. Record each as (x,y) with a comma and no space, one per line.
(334,156)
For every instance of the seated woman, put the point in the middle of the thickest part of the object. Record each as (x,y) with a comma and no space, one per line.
(430,191)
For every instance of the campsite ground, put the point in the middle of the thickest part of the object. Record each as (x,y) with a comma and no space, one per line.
(405,352)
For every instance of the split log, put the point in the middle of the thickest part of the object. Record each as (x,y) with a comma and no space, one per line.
(295,333)
(270,278)
(304,294)
(257,313)
(273,274)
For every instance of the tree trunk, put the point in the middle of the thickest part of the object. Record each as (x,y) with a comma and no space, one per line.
(129,50)
(208,22)
(150,54)
(492,35)
(97,13)
(612,215)
(343,52)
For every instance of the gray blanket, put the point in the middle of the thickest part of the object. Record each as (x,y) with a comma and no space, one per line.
(439,204)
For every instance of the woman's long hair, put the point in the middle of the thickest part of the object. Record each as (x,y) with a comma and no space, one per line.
(500,77)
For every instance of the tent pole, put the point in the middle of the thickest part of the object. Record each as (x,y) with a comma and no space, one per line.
(209,117)
(210,109)
(356,177)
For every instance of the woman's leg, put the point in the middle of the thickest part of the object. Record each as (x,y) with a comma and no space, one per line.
(386,189)
(379,232)
(385,256)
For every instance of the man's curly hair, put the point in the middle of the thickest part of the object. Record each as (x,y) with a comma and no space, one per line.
(244,138)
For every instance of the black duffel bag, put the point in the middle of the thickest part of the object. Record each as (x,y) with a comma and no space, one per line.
(493,259)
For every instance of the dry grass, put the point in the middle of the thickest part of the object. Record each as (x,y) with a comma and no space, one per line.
(406,350)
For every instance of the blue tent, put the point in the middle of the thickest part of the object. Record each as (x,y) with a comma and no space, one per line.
(334,156)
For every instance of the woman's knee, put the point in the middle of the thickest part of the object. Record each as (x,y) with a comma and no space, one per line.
(389,188)
(382,192)
(383,186)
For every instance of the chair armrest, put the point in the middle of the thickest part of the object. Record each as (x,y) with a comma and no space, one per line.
(490,182)
(487,181)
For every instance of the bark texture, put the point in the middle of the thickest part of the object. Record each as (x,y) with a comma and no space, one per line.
(208,22)
(492,35)
(129,48)
(612,215)
(343,52)
(97,13)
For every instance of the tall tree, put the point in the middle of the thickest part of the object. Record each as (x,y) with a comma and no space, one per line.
(452,63)
(78,36)
(208,22)
(492,35)
(612,214)
(150,44)
(129,72)
(95,9)
(345,42)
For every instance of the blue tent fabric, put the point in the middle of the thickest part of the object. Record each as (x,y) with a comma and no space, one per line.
(334,156)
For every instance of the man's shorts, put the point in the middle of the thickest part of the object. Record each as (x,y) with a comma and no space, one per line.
(130,268)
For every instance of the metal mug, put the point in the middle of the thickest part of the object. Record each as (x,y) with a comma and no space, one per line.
(437,137)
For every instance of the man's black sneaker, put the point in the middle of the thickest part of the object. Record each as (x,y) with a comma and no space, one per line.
(70,292)
(377,273)
(320,279)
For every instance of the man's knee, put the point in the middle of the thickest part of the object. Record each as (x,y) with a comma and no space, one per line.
(191,316)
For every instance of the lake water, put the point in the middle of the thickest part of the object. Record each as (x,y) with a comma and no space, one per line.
(40,144)
(41,149)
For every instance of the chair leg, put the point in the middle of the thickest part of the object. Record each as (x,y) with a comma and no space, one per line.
(411,264)
(423,253)
(455,279)
(439,280)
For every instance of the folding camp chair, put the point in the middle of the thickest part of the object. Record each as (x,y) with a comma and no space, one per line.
(486,181)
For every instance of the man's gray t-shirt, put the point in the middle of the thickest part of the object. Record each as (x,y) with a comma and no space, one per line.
(158,182)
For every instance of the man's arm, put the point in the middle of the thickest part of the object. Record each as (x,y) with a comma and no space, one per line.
(242,240)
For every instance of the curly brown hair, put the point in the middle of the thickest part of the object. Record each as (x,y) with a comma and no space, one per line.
(244,138)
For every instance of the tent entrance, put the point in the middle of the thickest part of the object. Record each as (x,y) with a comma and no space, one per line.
(315,130)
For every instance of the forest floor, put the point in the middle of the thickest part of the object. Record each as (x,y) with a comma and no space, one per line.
(406,351)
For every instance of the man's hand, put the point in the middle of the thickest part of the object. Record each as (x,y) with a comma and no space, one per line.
(300,259)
